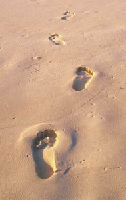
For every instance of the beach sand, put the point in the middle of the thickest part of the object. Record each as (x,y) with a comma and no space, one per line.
(62,69)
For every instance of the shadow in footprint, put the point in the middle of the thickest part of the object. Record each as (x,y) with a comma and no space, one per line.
(74,139)
(67,15)
(56,39)
(42,140)
(83,78)
(79,83)
(67,170)
(42,169)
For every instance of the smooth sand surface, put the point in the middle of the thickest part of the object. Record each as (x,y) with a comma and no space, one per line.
(42,44)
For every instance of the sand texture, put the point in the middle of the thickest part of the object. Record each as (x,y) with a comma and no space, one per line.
(62,100)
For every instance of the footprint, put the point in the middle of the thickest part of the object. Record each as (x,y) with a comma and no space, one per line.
(56,39)
(67,15)
(43,153)
(73,139)
(45,145)
(83,79)
(36,57)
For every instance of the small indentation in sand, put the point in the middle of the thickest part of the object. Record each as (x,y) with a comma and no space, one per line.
(36,57)
(56,39)
(44,154)
(122,88)
(67,170)
(73,139)
(83,79)
(82,161)
(67,15)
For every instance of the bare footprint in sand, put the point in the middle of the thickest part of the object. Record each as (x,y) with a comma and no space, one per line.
(43,153)
(67,15)
(83,79)
(56,39)
(47,149)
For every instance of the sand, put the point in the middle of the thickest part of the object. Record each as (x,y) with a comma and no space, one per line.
(43,43)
